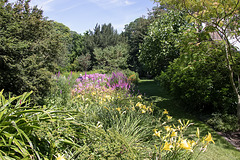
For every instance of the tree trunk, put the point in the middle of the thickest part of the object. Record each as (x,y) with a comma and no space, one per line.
(238,109)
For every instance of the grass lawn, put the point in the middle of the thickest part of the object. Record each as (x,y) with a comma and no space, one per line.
(221,150)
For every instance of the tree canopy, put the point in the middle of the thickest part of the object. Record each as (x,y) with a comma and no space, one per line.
(30,48)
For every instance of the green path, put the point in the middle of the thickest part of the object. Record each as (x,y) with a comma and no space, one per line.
(222,150)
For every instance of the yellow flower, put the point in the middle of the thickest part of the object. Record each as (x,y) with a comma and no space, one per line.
(140,96)
(180,122)
(173,134)
(165,111)
(118,109)
(139,104)
(150,109)
(167,146)
(193,143)
(186,145)
(60,157)
(143,111)
(156,133)
(169,117)
(198,133)
(144,107)
(168,128)
(133,108)
(209,138)
(94,93)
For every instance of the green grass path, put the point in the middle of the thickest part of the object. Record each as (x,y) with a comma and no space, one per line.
(221,150)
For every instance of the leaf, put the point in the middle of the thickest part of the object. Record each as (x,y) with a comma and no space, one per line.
(24,152)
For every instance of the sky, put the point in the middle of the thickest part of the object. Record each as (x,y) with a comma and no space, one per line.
(83,15)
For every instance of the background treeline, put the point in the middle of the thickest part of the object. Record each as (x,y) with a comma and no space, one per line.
(165,45)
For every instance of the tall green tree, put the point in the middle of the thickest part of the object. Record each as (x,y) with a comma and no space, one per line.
(112,58)
(135,32)
(30,49)
(76,46)
(160,45)
(220,17)
(101,37)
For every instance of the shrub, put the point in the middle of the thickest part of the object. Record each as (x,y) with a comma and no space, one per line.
(224,122)
(200,80)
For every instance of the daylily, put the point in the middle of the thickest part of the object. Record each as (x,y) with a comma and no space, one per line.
(209,138)
(193,143)
(165,111)
(173,134)
(144,107)
(169,117)
(143,111)
(139,104)
(168,128)
(150,109)
(186,145)
(157,133)
(167,146)
(118,109)
(60,157)
(198,133)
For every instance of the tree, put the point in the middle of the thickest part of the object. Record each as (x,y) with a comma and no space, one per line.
(30,49)
(112,57)
(160,45)
(76,46)
(101,37)
(135,33)
(221,17)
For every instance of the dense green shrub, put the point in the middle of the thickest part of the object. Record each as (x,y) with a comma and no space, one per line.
(198,78)
(81,63)
(224,122)
(112,57)
(31,48)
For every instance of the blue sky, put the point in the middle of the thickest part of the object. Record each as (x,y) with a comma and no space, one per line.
(82,15)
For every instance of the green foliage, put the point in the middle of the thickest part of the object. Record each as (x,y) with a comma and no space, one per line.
(135,32)
(112,57)
(60,93)
(199,80)
(31,48)
(160,46)
(101,37)
(132,76)
(17,121)
(222,19)
(81,63)
(224,122)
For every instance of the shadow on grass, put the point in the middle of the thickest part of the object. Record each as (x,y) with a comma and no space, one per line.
(163,100)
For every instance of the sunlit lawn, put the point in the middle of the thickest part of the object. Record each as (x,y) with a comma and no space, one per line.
(222,150)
